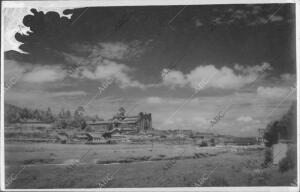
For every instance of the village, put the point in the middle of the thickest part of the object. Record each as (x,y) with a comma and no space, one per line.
(134,129)
(132,139)
(120,129)
(66,141)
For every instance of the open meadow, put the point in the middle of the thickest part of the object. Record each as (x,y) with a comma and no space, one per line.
(139,166)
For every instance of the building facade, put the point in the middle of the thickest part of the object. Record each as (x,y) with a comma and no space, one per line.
(140,122)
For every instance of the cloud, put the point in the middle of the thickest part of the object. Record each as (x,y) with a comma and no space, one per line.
(200,120)
(223,78)
(114,50)
(174,78)
(247,15)
(100,62)
(192,123)
(29,73)
(106,69)
(111,70)
(290,78)
(154,100)
(65,93)
(121,50)
(245,119)
(272,92)
(41,74)
(94,68)
(32,97)
(12,69)
(275,18)
(173,101)
(207,76)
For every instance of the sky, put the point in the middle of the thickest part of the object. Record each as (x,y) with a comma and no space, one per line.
(183,64)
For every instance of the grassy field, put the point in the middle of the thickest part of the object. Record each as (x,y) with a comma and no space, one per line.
(46,166)
(19,154)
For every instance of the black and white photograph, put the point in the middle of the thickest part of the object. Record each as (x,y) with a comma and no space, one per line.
(149,95)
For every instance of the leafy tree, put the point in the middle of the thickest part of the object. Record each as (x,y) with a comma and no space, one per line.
(49,116)
(120,114)
(25,114)
(61,124)
(79,121)
(68,114)
(285,128)
(290,161)
(36,114)
(98,118)
(62,113)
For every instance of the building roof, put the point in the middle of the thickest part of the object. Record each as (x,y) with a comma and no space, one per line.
(129,117)
(128,122)
(204,134)
(99,122)
(94,135)
(125,121)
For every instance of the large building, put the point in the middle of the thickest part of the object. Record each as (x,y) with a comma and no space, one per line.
(140,122)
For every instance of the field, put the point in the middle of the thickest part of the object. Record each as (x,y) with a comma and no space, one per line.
(138,166)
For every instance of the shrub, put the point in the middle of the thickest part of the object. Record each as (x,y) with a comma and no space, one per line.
(89,129)
(218,181)
(290,161)
(268,157)
(286,127)
(203,144)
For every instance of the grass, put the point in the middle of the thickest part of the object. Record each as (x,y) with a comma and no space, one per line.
(235,169)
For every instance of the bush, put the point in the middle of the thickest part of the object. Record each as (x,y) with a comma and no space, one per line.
(203,144)
(268,156)
(286,127)
(89,129)
(290,161)
(218,181)
(212,141)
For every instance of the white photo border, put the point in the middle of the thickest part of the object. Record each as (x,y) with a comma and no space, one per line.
(78,4)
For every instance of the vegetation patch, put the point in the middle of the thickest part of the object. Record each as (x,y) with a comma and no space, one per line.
(38,161)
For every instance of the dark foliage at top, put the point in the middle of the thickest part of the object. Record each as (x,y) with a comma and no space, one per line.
(285,128)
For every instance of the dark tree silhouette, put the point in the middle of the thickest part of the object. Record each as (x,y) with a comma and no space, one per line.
(285,128)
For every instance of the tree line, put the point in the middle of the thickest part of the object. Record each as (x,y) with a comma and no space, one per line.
(63,119)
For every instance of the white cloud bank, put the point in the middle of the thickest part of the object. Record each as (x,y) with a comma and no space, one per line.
(210,76)
(67,93)
(245,119)
(111,70)
(273,92)
(42,74)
